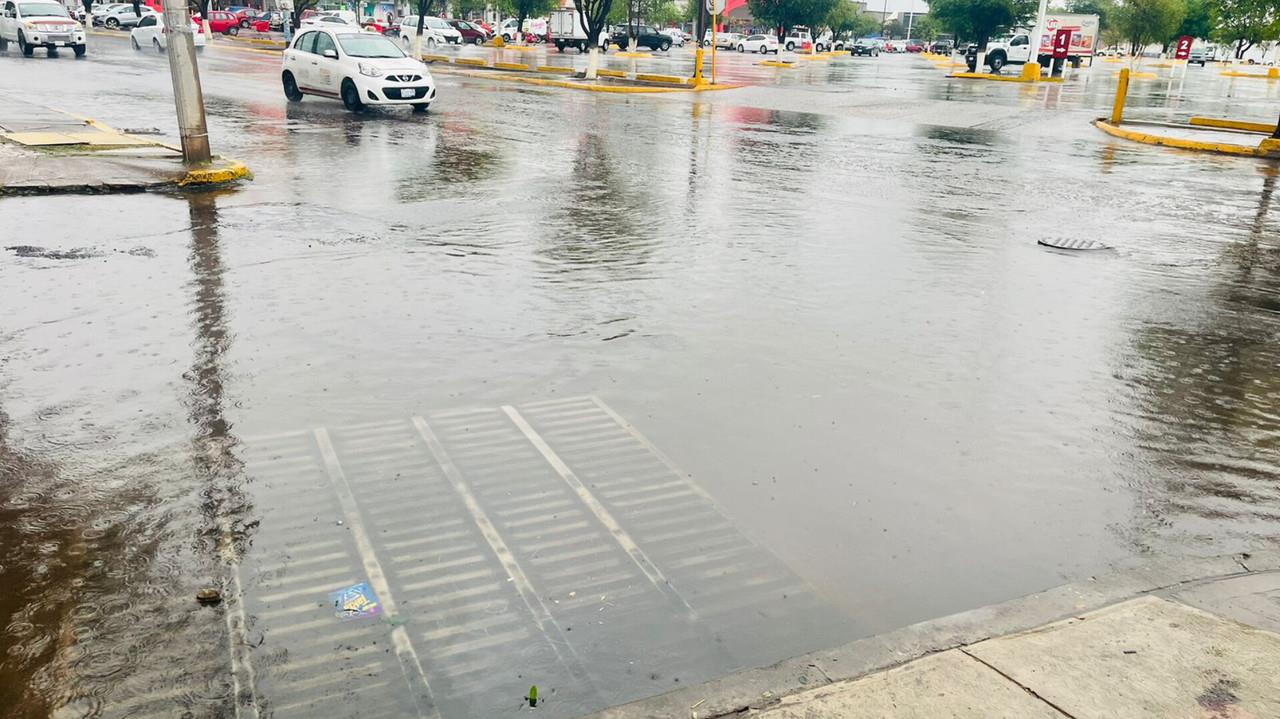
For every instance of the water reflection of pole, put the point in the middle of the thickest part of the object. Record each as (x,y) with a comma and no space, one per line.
(224,506)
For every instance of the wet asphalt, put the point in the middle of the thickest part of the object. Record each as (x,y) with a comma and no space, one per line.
(820,296)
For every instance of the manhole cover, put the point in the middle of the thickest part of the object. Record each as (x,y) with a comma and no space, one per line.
(1074,244)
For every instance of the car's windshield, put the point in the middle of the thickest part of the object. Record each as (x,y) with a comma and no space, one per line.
(437,23)
(42,9)
(369,45)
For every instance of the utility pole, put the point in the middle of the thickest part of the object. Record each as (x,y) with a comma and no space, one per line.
(187,95)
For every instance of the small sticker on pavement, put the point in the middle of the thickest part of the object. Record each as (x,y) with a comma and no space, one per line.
(357,600)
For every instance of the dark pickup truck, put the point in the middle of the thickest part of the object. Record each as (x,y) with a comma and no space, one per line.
(646,36)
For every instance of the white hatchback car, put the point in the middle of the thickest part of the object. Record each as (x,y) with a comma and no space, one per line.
(151,32)
(763,44)
(360,68)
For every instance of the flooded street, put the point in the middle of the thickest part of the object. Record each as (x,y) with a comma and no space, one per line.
(610,394)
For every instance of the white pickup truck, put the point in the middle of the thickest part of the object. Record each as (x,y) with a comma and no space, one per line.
(39,23)
(1016,50)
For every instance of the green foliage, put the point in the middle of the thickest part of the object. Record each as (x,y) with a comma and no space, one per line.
(1104,9)
(1198,22)
(925,28)
(1244,23)
(521,9)
(895,29)
(789,13)
(845,20)
(980,20)
(1146,21)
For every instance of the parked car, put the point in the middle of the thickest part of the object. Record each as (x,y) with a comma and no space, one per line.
(865,48)
(408,30)
(272,21)
(40,23)
(443,29)
(646,36)
(912,46)
(471,33)
(763,44)
(330,21)
(677,35)
(124,17)
(797,38)
(942,47)
(101,10)
(223,22)
(360,68)
(151,33)
(826,41)
(1199,56)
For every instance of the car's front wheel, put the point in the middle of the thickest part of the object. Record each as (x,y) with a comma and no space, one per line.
(113,23)
(245,23)
(27,50)
(291,90)
(351,96)
(134,42)
(421,106)
(78,50)
(791,46)
(156,42)
(996,62)
(742,48)
(233,30)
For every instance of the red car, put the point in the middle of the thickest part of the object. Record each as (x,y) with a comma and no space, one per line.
(914,47)
(471,32)
(221,21)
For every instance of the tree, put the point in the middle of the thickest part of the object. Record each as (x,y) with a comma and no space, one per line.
(784,14)
(980,20)
(1198,22)
(302,6)
(524,9)
(925,28)
(424,7)
(894,29)
(1104,9)
(1244,23)
(593,14)
(1146,21)
(846,20)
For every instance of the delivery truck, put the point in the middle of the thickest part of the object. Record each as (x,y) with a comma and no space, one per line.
(564,29)
(1016,49)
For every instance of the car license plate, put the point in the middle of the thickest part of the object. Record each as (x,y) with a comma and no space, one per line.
(408,92)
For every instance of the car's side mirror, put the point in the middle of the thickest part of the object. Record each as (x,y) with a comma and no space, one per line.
(331,54)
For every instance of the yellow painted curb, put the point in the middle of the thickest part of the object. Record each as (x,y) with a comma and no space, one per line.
(1001,78)
(1113,59)
(216,175)
(556,69)
(516,48)
(1233,73)
(633,54)
(776,63)
(585,85)
(474,61)
(257,41)
(605,72)
(1222,148)
(1261,127)
(663,78)
(510,66)
(435,58)
(1139,75)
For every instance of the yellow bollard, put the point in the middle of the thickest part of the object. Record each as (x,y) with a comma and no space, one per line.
(1031,72)
(697,66)
(1122,91)
(1273,73)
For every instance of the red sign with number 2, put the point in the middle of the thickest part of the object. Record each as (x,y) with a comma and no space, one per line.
(1184,47)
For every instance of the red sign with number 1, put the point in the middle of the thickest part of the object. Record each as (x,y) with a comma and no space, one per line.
(1184,47)
(1062,44)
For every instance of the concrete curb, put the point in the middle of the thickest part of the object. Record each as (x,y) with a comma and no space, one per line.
(217,174)
(756,688)
(1221,148)
(1229,124)
(1001,78)
(582,84)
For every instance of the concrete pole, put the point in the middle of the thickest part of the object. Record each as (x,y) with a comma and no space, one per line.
(1036,32)
(187,95)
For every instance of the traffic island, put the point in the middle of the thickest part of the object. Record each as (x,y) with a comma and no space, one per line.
(1030,73)
(609,79)
(1201,134)
(44,151)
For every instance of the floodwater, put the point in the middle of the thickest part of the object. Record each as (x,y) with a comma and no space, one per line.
(610,394)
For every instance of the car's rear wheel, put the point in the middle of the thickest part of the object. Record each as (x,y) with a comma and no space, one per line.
(156,42)
(790,46)
(351,96)
(291,90)
(245,23)
(134,41)
(233,30)
(665,46)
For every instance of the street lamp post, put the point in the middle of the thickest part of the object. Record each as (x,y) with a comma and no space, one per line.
(187,96)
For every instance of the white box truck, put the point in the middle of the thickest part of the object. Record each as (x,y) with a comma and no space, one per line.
(1016,49)
(565,29)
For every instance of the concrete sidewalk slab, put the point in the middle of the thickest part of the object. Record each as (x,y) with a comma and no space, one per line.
(951,685)
(1253,599)
(1144,658)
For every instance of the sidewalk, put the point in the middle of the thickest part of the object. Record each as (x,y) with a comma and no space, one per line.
(1203,648)
(46,151)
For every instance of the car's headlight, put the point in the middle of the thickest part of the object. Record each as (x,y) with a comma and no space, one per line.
(370,70)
